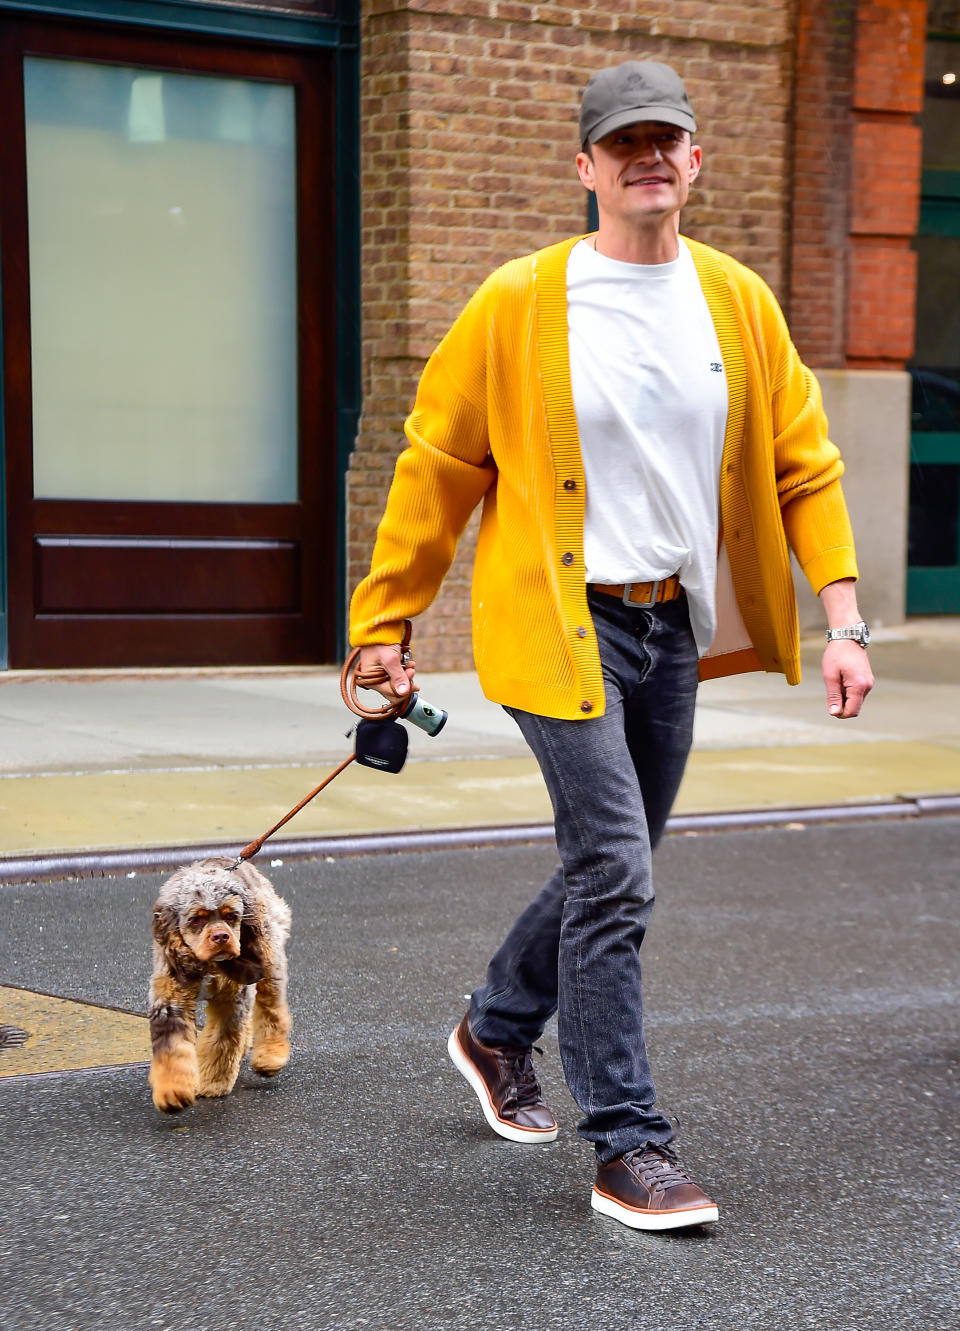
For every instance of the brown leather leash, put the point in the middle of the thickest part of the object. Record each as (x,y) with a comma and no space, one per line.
(253,847)
(350,680)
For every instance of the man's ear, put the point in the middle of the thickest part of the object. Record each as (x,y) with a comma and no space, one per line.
(585,170)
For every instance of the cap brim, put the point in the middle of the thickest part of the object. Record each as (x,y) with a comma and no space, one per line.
(669,115)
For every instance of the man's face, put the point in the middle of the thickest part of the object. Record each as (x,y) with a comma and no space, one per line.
(643,171)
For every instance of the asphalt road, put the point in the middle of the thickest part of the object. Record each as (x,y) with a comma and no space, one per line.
(802,987)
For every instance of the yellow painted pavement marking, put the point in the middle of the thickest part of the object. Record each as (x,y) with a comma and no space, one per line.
(65,1036)
(101,810)
(128,809)
(808,775)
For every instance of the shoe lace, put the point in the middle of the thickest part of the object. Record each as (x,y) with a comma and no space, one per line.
(523,1078)
(658,1165)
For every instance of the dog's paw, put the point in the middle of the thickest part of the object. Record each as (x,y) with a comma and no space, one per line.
(218,1061)
(174,1083)
(269,1056)
(212,1089)
(217,1076)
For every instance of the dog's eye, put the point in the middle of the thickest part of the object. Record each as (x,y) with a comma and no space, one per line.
(231,916)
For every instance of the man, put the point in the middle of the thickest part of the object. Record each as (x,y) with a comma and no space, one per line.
(645,441)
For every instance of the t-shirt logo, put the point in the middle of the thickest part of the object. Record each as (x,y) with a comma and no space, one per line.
(716,367)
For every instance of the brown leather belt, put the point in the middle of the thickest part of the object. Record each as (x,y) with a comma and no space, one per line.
(643,593)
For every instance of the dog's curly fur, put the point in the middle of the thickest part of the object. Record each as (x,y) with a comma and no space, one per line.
(220,930)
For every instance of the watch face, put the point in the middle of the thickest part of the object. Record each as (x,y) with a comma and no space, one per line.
(865,635)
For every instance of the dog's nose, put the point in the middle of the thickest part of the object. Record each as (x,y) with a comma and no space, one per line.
(220,936)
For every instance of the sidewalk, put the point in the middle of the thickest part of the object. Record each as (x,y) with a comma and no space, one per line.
(104,760)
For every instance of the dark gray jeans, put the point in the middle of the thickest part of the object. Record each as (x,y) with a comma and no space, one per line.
(575,949)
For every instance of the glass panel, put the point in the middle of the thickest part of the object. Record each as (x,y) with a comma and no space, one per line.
(934,508)
(162,223)
(943,16)
(941,104)
(936,363)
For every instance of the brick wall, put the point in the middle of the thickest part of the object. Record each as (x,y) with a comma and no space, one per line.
(468,138)
(885,188)
(817,301)
(858,85)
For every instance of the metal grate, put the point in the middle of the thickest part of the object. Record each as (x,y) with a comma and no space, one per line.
(12,1036)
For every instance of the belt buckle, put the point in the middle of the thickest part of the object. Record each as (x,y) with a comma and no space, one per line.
(652,598)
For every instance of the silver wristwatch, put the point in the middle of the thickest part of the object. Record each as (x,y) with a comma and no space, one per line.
(859,633)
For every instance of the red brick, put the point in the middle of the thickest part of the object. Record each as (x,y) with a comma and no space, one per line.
(889,55)
(885,189)
(883,294)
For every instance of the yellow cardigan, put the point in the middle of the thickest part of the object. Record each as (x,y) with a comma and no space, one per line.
(494,421)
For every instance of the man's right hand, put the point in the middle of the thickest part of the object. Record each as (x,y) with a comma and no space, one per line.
(386,657)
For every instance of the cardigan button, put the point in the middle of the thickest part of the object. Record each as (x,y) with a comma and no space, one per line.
(567,559)
(581,631)
(586,706)
(569,484)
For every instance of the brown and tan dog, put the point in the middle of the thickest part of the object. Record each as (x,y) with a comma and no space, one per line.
(220,930)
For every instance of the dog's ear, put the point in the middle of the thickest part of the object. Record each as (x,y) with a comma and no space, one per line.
(249,967)
(166,922)
(166,931)
(252,942)
(241,970)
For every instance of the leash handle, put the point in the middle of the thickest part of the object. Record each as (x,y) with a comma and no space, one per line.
(352,679)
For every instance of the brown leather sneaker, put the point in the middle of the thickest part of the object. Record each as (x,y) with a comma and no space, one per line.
(648,1189)
(506,1086)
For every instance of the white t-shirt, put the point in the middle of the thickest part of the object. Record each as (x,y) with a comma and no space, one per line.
(650,395)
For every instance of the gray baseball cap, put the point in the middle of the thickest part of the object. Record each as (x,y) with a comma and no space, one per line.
(628,93)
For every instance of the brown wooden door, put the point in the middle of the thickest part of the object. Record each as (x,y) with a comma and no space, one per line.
(118,560)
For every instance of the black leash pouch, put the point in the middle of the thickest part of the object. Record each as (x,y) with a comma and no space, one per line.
(381,744)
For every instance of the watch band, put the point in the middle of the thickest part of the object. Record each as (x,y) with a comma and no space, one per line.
(858,633)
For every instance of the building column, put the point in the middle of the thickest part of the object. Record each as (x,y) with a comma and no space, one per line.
(857,163)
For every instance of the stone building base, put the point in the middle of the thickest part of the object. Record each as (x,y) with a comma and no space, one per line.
(869,414)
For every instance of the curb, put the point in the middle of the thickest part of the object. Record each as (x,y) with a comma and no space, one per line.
(102,864)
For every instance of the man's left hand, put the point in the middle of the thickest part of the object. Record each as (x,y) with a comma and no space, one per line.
(848,677)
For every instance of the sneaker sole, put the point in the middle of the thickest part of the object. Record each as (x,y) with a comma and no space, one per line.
(506,1130)
(653,1220)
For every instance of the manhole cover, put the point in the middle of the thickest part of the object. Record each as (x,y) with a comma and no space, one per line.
(11,1037)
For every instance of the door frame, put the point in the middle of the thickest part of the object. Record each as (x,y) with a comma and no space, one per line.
(339,32)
